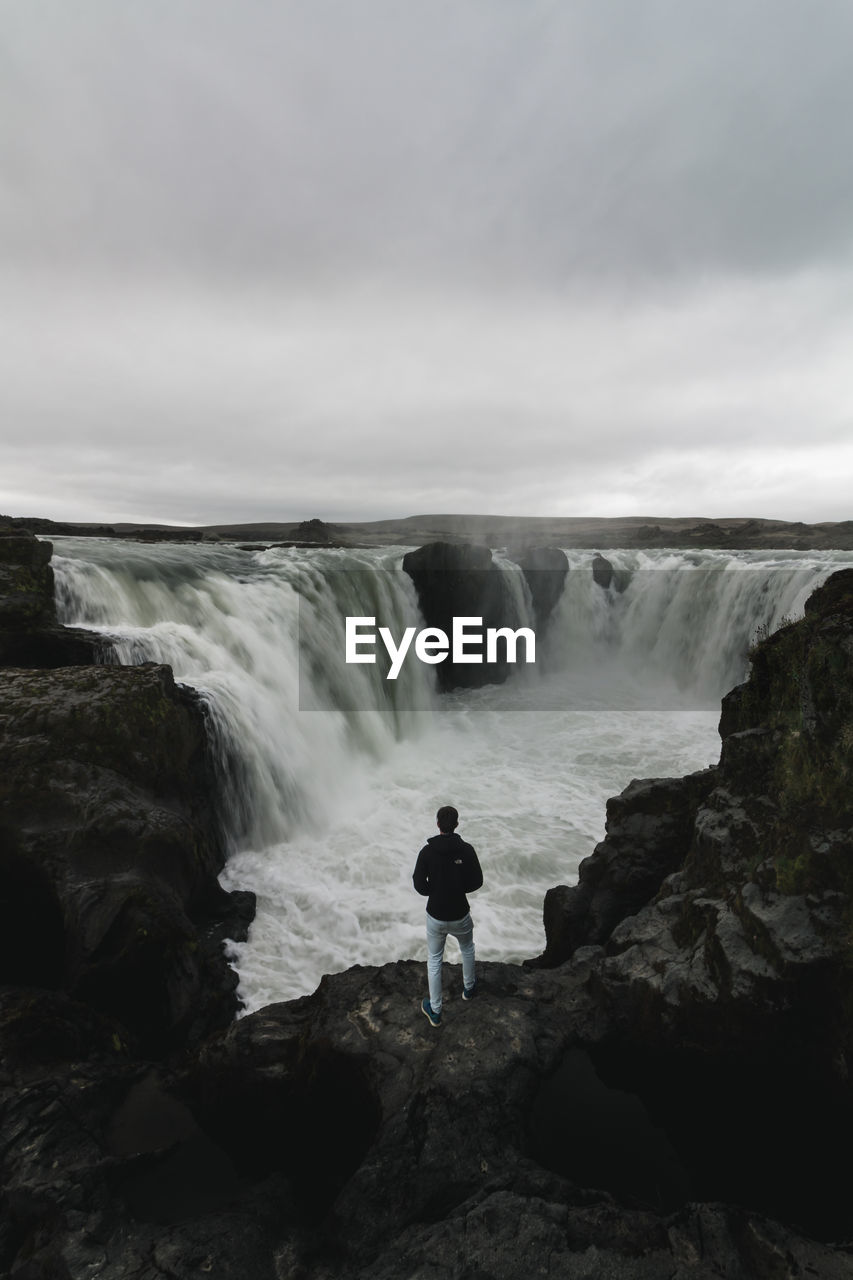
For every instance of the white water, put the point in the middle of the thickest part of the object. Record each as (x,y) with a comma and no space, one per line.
(336,803)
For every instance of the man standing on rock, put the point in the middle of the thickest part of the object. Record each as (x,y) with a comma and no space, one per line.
(446,870)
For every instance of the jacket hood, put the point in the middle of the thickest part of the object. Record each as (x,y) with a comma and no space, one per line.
(439,839)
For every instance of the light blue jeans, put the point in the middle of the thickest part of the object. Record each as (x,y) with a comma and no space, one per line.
(437,931)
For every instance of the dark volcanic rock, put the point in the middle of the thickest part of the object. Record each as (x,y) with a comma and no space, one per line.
(733,982)
(502,1233)
(545,570)
(606,576)
(54,647)
(460,580)
(110,848)
(434,1109)
(343,1138)
(602,571)
(30,635)
(769,830)
(649,828)
(26,583)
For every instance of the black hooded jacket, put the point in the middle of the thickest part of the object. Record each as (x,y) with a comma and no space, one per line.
(447,868)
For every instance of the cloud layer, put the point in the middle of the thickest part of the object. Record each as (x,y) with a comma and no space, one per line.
(361,260)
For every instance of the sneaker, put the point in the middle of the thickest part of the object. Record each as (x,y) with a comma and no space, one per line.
(434,1018)
(468,993)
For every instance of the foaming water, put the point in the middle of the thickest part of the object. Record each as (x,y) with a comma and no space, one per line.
(333,805)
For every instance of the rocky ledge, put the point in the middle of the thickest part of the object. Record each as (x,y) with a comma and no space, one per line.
(340,1136)
(664,1092)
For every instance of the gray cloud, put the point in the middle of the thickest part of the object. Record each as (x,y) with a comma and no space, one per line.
(270,260)
(190,404)
(547,142)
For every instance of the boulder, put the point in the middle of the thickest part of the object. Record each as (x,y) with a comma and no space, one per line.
(606,576)
(602,571)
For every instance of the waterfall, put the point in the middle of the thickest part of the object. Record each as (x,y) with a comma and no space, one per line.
(339,771)
(258,634)
(678,622)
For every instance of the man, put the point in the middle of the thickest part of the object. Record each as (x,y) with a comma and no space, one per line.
(446,870)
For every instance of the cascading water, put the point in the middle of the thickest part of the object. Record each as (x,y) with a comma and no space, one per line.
(341,771)
(676,623)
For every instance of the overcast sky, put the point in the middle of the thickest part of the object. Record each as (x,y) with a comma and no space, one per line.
(271,259)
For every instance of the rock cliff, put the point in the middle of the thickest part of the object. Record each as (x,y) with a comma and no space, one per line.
(110,836)
(723,899)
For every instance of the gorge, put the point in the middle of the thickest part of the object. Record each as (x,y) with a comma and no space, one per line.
(661,1090)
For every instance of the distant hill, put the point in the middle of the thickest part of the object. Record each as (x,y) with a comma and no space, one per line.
(514,532)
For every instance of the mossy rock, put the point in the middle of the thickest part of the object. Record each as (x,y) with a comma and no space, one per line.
(800,698)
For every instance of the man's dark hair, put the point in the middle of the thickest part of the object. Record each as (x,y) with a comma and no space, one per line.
(447,819)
